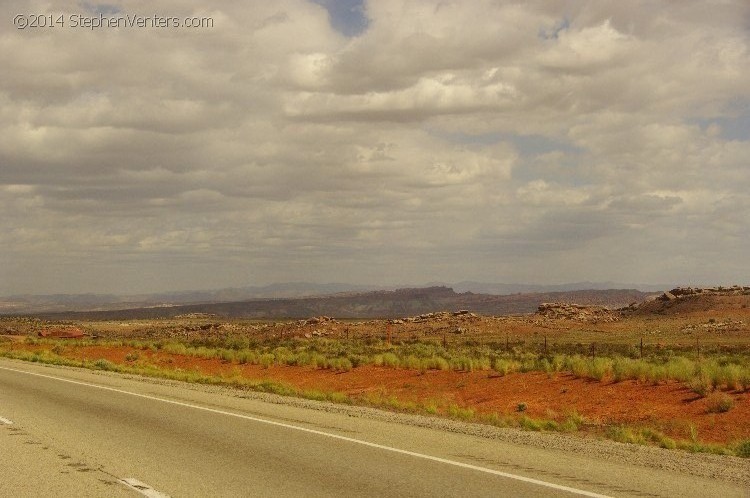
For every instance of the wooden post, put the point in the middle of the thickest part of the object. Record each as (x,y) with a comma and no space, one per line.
(593,351)
(506,343)
(641,347)
(445,340)
(545,345)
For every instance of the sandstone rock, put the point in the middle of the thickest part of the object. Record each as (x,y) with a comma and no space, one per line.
(577,312)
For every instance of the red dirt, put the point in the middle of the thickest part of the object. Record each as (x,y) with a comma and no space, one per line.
(669,407)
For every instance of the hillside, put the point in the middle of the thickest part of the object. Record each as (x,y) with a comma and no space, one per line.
(682,300)
(376,304)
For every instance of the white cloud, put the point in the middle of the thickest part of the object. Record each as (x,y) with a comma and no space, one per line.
(529,141)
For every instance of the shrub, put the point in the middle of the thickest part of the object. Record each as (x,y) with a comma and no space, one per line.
(266,360)
(247,356)
(623,434)
(573,422)
(530,424)
(658,438)
(412,363)
(462,363)
(681,369)
(731,375)
(390,360)
(701,385)
(719,402)
(504,367)
(743,449)
(342,364)
(456,411)
(436,363)
(578,366)
(601,368)
(103,364)
(745,379)
(521,407)
(317,360)
(227,355)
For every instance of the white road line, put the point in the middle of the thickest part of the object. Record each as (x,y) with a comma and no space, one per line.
(142,488)
(529,480)
(5,421)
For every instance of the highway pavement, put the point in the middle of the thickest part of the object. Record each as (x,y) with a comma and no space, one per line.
(74,432)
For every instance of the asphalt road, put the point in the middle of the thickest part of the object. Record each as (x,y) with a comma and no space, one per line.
(81,433)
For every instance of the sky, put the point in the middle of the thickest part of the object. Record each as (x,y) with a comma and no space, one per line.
(382,142)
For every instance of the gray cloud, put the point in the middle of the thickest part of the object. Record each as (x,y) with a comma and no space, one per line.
(539,142)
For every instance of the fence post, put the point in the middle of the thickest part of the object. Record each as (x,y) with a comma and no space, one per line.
(641,347)
(545,345)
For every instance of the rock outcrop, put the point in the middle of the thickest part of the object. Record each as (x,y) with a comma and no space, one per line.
(679,292)
(577,312)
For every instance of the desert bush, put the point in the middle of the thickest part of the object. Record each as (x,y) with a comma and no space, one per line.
(577,365)
(237,343)
(600,368)
(624,434)
(411,362)
(462,363)
(283,355)
(103,364)
(573,422)
(743,449)
(247,356)
(530,424)
(358,360)
(458,412)
(317,360)
(435,363)
(390,360)
(174,348)
(681,369)
(701,385)
(504,367)
(266,360)
(657,374)
(745,379)
(730,376)
(654,436)
(227,355)
(719,402)
(341,363)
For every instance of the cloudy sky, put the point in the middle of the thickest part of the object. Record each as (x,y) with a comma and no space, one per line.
(375,142)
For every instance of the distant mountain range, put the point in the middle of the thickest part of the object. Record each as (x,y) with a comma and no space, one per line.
(372,304)
(25,304)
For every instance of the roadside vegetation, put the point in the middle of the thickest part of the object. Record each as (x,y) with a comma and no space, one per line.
(708,375)
(703,375)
